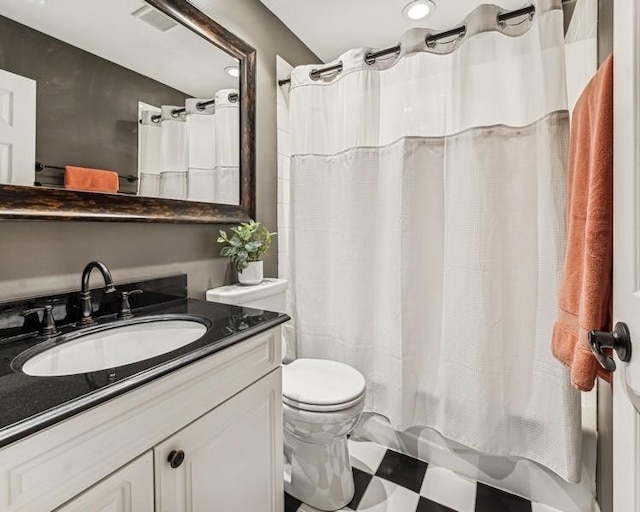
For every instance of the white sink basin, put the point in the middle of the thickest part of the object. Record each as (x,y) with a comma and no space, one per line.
(115,346)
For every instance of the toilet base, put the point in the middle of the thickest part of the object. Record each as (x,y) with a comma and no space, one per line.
(321,474)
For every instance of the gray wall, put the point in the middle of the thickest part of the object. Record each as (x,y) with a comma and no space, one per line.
(43,256)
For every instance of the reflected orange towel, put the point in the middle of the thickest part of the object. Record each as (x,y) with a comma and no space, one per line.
(586,286)
(96,180)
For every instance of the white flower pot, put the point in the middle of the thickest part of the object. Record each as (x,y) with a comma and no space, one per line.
(253,274)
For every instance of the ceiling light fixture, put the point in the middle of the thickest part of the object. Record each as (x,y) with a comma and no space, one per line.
(418,9)
(233,71)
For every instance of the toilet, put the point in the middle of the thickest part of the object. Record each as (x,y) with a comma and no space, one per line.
(322,401)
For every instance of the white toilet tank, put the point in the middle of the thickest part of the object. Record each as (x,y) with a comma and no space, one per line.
(270,295)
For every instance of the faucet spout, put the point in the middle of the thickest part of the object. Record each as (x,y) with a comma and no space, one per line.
(86,308)
(106,275)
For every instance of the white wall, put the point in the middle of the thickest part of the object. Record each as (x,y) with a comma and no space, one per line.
(581,48)
(283,70)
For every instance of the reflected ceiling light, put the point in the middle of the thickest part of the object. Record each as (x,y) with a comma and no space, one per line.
(233,71)
(418,9)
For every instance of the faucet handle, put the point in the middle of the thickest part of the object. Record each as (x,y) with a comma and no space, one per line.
(48,324)
(125,307)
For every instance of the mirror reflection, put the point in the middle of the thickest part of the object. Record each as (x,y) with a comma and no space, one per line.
(116,97)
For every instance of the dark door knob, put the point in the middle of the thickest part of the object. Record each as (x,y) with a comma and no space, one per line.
(618,340)
(176,457)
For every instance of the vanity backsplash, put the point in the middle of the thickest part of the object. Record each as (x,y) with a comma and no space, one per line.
(66,309)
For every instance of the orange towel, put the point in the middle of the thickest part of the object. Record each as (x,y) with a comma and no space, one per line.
(586,286)
(96,180)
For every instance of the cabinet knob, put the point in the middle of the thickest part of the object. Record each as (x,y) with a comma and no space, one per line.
(176,458)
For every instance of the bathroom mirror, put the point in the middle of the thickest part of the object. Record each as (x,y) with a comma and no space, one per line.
(124,110)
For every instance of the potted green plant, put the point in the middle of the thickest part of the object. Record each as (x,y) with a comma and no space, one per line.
(245,247)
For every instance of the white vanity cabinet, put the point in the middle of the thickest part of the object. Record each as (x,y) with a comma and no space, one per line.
(219,418)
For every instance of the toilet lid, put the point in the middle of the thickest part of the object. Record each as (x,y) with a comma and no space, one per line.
(322,384)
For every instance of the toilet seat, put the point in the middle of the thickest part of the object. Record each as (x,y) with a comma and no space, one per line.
(321,408)
(320,385)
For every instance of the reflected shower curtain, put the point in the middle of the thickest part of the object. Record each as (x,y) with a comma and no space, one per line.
(194,155)
(428,231)
(227,149)
(201,126)
(174,154)
(149,153)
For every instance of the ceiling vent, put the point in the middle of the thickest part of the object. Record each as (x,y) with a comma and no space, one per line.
(154,18)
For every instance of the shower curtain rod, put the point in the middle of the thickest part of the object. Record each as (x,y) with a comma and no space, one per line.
(201,105)
(430,41)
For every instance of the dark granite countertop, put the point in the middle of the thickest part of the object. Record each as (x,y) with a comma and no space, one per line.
(29,404)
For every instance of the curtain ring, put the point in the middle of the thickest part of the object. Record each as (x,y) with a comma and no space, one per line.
(315,74)
(458,33)
(370,58)
(503,23)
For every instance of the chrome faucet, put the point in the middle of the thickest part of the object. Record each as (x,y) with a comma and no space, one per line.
(86,308)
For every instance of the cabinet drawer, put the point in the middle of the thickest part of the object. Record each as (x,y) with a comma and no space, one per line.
(47,469)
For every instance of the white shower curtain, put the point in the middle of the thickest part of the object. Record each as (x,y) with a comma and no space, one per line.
(149,153)
(427,232)
(194,155)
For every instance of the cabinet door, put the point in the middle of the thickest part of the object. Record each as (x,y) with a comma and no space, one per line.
(232,456)
(129,489)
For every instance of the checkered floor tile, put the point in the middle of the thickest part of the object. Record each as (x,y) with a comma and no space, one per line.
(388,481)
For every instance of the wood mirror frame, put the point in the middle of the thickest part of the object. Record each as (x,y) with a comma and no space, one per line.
(34,203)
